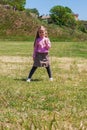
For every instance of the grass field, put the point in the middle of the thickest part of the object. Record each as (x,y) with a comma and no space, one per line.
(41,104)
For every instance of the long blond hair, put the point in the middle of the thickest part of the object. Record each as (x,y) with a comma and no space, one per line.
(37,34)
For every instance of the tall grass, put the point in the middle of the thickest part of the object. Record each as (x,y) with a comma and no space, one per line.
(41,104)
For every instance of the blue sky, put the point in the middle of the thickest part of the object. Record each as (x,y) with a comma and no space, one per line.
(43,6)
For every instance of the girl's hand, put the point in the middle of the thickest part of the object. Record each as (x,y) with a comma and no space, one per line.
(33,58)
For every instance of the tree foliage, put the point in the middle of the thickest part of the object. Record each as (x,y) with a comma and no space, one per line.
(81,26)
(62,16)
(3,2)
(18,4)
(35,11)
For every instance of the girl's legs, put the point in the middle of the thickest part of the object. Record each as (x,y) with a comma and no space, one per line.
(34,69)
(32,72)
(49,72)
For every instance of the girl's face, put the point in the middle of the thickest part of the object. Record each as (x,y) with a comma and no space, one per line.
(41,33)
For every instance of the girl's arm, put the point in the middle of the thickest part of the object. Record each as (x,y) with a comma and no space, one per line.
(35,49)
(48,43)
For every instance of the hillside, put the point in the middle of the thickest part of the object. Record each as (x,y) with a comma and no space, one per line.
(18,25)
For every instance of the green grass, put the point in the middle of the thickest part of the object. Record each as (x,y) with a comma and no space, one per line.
(59,49)
(41,104)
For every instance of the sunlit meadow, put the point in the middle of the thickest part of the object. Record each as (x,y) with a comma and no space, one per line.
(42,104)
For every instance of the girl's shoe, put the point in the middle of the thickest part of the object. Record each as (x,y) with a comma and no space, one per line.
(28,80)
(51,79)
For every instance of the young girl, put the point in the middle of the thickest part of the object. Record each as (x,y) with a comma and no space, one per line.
(40,55)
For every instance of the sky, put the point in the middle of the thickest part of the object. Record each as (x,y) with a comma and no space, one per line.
(43,6)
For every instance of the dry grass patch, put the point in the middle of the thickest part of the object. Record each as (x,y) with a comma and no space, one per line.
(9,64)
(14,59)
(66,63)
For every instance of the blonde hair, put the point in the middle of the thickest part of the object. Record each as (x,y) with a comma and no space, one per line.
(37,34)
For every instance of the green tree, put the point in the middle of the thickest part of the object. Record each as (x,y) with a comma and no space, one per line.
(17,4)
(3,2)
(62,16)
(35,11)
(68,10)
(81,26)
